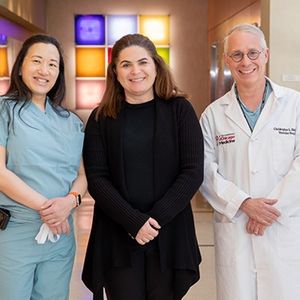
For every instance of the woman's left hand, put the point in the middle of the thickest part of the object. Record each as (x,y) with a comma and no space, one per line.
(148,232)
(56,210)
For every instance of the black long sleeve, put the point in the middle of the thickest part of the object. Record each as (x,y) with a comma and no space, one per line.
(100,185)
(190,174)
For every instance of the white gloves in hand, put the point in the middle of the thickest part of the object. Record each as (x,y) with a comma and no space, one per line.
(46,234)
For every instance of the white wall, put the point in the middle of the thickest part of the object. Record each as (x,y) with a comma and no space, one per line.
(283,21)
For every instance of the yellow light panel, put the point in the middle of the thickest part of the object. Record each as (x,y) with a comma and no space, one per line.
(90,62)
(156,28)
(3,62)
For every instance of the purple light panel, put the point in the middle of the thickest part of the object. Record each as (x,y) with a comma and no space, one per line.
(3,39)
(90,30)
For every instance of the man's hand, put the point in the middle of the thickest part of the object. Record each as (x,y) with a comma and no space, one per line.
(261,210)
(254,227)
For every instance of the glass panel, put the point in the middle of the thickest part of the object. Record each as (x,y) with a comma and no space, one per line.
(90,30)
(120,25)
(3,39)
(89,93)
(90,62)
(4,84)
(3,62)
(164,53)
(156,28)
(109,54)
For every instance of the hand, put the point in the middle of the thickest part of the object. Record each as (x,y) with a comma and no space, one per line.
(56,210)
(62,228)
(147,232)
(261,210)
(254,227)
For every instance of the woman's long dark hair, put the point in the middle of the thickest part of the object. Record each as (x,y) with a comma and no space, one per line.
(114,95)
(18,90)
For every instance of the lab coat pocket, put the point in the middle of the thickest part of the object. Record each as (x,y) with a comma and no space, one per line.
(283,153)
(228,242)
(288,238)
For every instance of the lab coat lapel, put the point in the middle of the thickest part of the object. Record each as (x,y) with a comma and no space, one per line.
(234,112)
(266,115)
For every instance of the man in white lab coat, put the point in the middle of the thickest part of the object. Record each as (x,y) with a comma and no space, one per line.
(252,176)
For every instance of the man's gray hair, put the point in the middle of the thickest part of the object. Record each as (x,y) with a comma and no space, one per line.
(250,29)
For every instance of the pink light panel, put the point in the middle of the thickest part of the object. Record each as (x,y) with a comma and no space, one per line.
(89,93)
(4,84)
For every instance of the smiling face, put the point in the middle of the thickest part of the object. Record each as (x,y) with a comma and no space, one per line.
(40,70)
(246,72)
(136,72)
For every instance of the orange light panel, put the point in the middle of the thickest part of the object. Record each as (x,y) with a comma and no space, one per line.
(3,62)
(90,62)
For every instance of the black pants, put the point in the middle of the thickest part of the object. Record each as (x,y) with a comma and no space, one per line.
(142,281)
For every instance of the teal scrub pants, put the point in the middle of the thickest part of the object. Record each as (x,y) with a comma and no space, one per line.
(29,271)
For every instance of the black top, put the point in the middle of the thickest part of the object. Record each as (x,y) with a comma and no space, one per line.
(178,172)
(138,154)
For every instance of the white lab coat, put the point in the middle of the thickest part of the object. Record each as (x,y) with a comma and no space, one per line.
(264,163)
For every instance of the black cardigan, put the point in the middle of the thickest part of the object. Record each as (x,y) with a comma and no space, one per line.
(178,169)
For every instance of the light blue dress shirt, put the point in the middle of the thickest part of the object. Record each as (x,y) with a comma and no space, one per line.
(252,116)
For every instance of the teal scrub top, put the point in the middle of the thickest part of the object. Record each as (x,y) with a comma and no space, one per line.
(42,148)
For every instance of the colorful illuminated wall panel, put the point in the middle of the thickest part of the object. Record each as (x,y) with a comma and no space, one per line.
(4,71)
(94,37)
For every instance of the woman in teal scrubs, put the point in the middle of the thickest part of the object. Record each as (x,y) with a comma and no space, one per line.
(41,176)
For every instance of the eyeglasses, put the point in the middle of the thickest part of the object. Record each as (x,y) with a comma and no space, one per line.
(238,56)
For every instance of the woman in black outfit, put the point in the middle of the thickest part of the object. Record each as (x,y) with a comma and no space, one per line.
(143,155)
